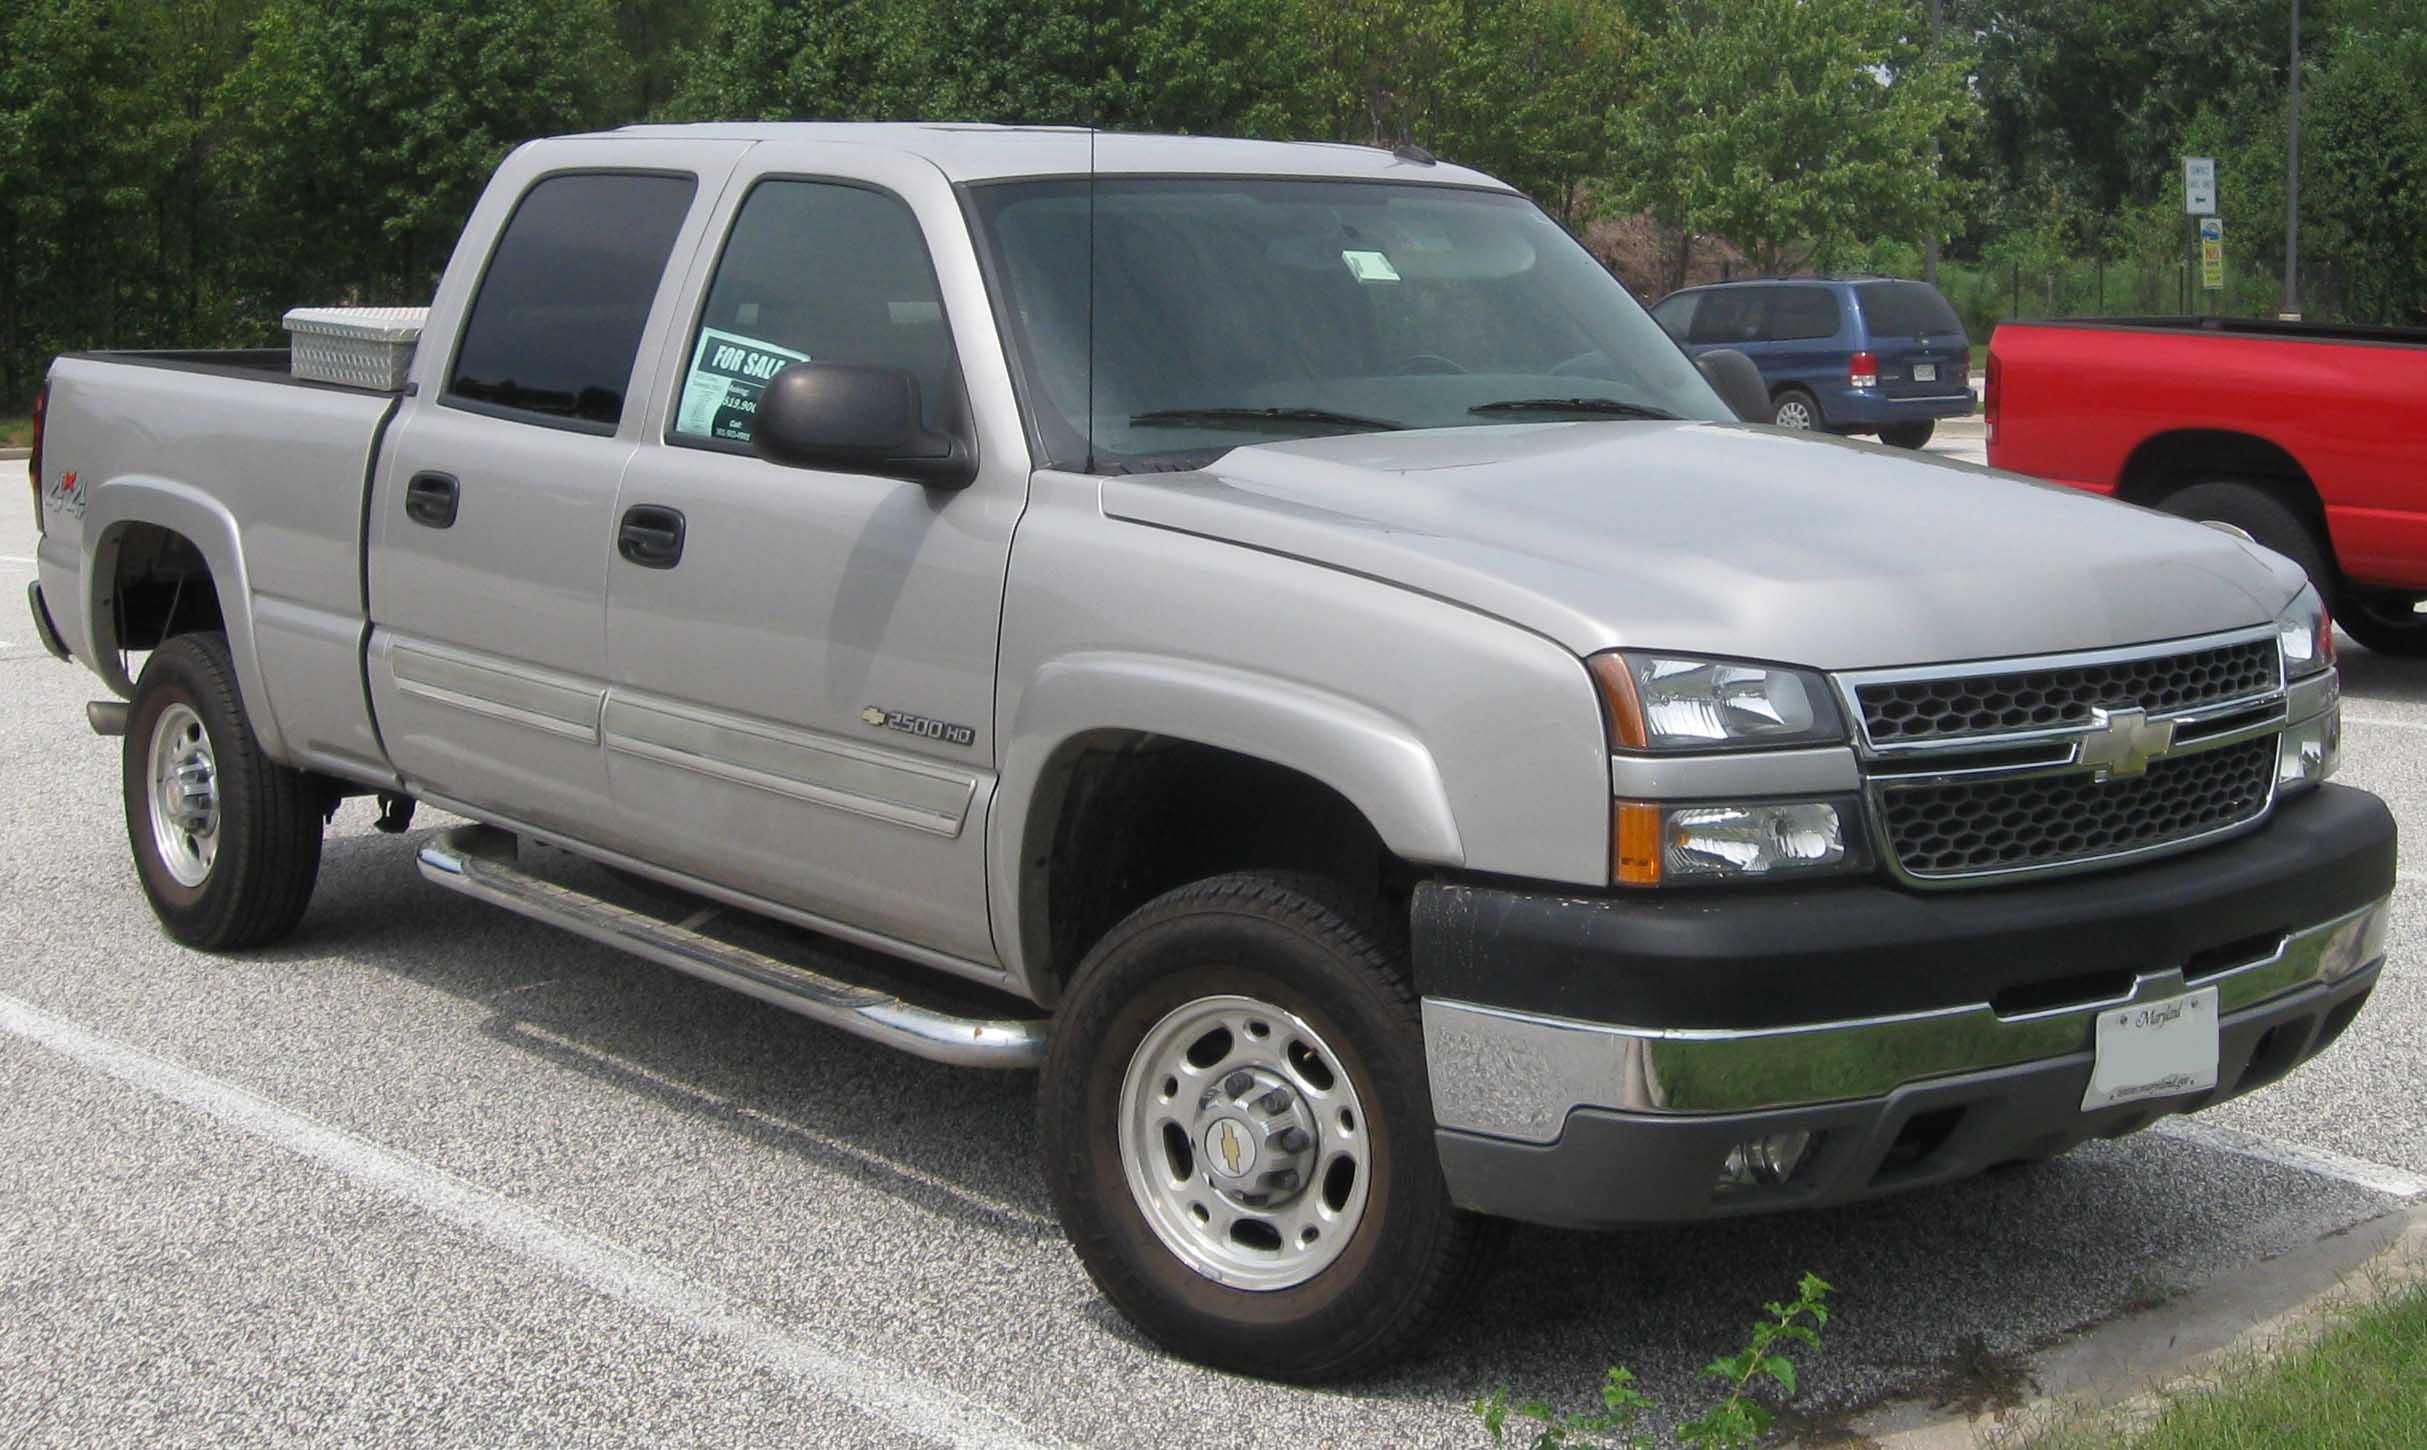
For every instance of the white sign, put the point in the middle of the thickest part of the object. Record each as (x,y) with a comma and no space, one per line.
(2199,185)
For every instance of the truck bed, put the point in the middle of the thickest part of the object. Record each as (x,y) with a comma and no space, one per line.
(268,476)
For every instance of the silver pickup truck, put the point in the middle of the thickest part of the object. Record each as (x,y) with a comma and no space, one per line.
(1271,635)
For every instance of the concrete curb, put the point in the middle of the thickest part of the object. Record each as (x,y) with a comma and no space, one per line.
(11,455)
(2129,1369)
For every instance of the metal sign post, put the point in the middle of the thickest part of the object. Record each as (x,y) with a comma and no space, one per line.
(2199,202)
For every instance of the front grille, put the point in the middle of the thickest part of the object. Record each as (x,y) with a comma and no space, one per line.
(2011,701)
(2034,822)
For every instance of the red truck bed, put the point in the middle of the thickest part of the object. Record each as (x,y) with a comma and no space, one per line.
(2325,423)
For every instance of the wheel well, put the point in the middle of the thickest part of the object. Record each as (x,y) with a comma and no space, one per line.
(160,585)
(2171,461)
(1124,817)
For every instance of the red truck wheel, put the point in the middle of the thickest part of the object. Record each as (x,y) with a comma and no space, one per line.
(2387,623)
(2264,517)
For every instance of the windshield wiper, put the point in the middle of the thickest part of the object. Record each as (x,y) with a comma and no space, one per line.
(1606,407)
(1249,417)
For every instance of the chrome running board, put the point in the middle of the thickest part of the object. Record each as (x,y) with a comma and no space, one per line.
(812,976)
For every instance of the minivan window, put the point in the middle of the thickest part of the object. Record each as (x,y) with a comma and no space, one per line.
(1906,309)
(558,319)
(1731,314)
(814,271)
(1802,314)
(1676,314)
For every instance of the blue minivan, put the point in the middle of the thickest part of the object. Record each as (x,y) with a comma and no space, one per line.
(1845,354)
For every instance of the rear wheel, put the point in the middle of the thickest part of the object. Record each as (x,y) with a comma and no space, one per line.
(226,840)
(1908,435)
(1797,409)
(2264,517)
(1238,1133)
(2388,623)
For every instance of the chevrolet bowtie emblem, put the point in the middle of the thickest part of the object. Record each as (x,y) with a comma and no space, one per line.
(1231,1147)
(2123,742)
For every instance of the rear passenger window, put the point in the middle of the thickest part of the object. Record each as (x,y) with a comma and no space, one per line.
(1803,313)
(814,271)
(1676,314)
(1731,314)
(559,315)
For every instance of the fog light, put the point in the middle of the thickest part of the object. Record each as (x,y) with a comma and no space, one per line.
(2354,944)
(1764,1162)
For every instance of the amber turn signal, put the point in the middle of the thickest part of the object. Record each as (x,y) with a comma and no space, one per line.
(1618,697)
(1637,859)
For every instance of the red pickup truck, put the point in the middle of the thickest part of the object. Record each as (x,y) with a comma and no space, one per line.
(2309,437)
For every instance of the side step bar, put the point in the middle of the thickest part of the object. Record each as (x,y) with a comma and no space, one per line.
(482,862)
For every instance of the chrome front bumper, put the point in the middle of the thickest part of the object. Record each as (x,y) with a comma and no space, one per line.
(1518,1075)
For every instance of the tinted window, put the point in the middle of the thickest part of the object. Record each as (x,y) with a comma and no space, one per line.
(1907,309)
(1731,314)
(560,311)
(1803,313)
(813,272)
(1676,315)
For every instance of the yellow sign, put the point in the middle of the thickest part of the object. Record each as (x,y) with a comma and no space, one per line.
(2212,254)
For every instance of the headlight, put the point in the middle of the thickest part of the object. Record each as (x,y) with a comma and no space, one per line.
(1664,844)
(1674,702)
(2305,634)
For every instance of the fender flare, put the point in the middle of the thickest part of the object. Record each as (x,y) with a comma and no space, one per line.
(120,503)
(1374,761)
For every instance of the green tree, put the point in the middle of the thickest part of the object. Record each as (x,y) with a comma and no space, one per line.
(1797,129)
(363,130)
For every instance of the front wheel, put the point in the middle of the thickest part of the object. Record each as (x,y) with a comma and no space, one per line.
(226,840)
(1238,1133)
(2261,515)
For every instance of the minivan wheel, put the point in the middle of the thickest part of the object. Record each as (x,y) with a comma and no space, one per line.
(1908,435)
(1796,409)
(1238,1132)
(226,841)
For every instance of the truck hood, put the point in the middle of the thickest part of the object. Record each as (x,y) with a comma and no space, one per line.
(1728,540)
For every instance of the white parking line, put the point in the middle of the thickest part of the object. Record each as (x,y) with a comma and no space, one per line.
(909,1401)
(2375,1177)
(13,559)
(994,1207)
(2351,719)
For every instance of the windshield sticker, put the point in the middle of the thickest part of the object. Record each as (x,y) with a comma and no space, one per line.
(1370,267)
(728,373)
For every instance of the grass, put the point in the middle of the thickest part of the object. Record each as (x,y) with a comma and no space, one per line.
(2362,1385)
(16,432)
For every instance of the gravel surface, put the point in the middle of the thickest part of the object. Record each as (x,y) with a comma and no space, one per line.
(439,1175)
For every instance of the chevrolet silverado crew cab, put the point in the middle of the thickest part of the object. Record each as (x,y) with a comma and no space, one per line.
(1272,636)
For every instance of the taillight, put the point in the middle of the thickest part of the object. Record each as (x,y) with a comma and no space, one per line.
(1988,399)
(1862,370)
(33,463)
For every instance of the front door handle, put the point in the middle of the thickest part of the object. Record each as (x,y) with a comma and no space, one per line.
(651,536)
(430,499)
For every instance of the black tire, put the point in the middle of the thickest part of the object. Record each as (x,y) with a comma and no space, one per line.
(1290,942)
(2263,516)
(2386,623)
(266,854)
(1908,435)
(1794,403)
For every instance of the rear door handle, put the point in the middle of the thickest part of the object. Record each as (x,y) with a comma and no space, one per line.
(651,536)
(430,499)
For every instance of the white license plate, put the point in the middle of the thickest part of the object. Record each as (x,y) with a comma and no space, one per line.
(2154,1050)
(1925,372)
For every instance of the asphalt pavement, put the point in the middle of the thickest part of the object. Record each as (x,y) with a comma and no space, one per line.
(429,1173)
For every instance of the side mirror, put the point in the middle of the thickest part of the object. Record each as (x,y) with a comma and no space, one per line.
(1737,382)
(855,419)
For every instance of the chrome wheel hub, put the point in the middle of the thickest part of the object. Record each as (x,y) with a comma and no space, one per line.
(184,795)
(1794,415)
(1244,1143)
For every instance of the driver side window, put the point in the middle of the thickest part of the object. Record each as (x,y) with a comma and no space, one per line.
(813,271)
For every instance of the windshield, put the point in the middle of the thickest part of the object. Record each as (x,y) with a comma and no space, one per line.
(1247,310)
